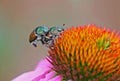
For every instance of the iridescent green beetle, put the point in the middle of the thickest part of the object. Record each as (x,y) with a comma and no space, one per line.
(37,34)
(45,35)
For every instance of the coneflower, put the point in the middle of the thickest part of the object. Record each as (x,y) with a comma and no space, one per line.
(87,53)
(83,53)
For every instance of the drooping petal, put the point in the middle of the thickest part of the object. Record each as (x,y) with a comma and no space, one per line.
(42,71)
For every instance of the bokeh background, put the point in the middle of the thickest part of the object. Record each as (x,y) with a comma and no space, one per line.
(19,17)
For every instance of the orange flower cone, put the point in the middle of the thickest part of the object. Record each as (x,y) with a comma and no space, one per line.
(87,53)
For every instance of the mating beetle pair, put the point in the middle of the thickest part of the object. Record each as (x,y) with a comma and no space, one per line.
(45,35)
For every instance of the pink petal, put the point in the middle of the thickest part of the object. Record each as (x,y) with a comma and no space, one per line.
(57,78)
(45,76)
(41,70)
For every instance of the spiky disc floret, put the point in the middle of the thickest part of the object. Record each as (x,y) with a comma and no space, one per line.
(87,53)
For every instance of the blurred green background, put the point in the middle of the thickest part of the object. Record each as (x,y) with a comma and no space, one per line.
(19,17)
